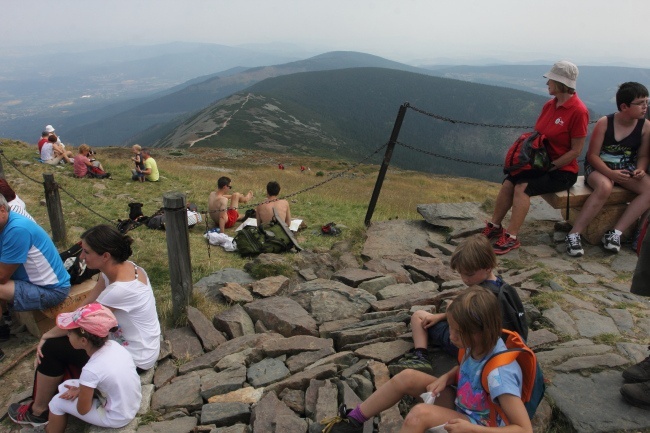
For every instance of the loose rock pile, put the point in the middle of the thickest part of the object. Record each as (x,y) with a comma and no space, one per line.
(289,351)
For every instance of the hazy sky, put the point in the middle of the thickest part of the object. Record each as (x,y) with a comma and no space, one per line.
(583,31)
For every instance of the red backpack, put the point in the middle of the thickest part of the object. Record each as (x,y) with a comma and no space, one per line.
(528,154)
(532,378)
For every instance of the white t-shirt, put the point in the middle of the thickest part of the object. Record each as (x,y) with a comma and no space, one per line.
(111,371)
(18,206)
(134,307)
(47,151)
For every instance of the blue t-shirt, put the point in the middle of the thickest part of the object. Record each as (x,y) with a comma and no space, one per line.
(25,243)
(471,399)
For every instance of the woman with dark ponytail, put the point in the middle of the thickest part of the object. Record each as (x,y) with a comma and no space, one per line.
(125,289)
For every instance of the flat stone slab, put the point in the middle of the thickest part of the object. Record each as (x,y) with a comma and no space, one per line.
(594,404)
(541,337)
(591,324)
(385,352)
(583,279)
(557,264)
(608,360)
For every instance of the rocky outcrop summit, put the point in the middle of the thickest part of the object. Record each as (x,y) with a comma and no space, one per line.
(288,351)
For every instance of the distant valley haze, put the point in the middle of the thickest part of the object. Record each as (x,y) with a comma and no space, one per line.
(302,77)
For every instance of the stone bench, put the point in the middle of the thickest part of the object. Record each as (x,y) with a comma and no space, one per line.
(38,322)
(606,218)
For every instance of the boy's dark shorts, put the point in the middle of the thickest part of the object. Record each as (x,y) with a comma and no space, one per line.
(439,336)
(552,181)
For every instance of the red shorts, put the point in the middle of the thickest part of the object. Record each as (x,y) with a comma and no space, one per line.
(233,215)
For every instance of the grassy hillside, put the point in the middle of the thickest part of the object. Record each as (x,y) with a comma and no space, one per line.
(351,112)
(343,200)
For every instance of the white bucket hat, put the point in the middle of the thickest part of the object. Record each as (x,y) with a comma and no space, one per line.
(49,128)
(563,72)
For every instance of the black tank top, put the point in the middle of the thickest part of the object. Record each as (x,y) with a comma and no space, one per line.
(623,151)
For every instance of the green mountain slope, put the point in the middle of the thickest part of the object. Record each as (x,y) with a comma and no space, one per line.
(123,127)
(351,112)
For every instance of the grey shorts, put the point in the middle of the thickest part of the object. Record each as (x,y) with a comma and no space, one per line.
(28,296)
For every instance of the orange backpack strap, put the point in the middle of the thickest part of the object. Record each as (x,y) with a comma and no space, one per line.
(525,357)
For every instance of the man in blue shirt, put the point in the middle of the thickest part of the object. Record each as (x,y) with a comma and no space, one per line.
(32,275)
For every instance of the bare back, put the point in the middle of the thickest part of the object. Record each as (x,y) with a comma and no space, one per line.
(217,205)
(264,211)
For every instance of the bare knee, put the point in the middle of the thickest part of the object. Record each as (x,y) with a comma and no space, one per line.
(417,416)
(417,317)
(407,380)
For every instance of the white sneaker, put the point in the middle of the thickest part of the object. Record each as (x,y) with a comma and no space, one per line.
(573,245)
(611,241)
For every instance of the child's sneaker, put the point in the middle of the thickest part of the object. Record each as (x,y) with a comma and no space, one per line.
(338,424)
(414,360)
(492,232)
(612,241)
(506,243)
(638,372)
(22,414)
(573,245)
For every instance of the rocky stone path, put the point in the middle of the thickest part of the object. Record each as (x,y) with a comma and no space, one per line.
(289,351)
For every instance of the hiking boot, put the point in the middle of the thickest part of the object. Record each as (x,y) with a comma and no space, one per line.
(611,241)
(638,372)
(573,245)
(413,360)
(491,231)
(22,414)
(338,424)
(506,243)
(5,332)
(637,394)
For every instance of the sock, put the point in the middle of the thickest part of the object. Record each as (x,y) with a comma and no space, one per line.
(512,236)
(618,232)
(357,415)
(496,226)
(420,352)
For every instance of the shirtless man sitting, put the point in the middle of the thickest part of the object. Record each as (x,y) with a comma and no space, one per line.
(264,211)
(225,216)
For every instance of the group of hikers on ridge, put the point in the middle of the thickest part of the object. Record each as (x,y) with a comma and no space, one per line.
(52,151)
(103,345)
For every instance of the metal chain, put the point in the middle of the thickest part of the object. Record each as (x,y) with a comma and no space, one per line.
(450,158)
(57,185)
(18,170)
(83,205)
(463,122)
(331,178)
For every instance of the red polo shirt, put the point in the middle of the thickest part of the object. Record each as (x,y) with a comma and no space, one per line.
(561,124)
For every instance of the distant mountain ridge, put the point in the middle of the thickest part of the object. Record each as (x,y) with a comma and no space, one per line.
(597,85)
(124,127)
(351,112)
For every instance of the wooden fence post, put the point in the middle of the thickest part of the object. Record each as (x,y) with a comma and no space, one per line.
(2,170)
(178,252)
(54,209)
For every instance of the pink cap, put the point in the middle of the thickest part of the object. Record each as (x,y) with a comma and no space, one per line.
(93,318)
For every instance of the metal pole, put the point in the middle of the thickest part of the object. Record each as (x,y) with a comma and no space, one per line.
(178,252)
(386,162)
